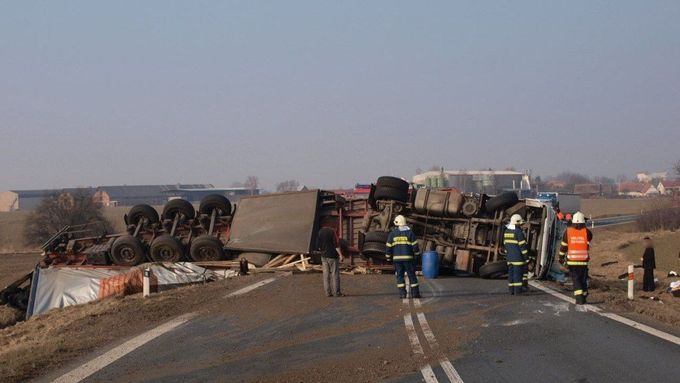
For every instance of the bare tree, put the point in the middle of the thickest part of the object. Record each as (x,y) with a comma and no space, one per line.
(251,184)
(59,210)
(287,186)
(676,167)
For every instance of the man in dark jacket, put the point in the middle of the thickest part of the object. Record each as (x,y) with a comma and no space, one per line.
(331,256)
(648,264)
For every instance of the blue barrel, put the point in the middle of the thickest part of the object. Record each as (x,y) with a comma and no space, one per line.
(430,264)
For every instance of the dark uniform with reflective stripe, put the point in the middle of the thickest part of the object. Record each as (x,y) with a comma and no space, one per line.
(516,248)
(402,246)
(577,258)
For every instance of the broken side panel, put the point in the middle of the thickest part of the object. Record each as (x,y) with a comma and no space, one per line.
(275,223)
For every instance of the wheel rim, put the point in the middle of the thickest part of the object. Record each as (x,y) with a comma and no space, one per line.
(207,253)
(167,252)
(127,253)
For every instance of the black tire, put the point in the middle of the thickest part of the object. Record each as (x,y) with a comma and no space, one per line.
(20,299)
(493,269)
(393,182)
(215,201)
(376,236)
(206,248)
(501,201)
(7,295)
(138,212)
(127,251)
(390,194)
(179,206)
(166,248)
(257,259)
(374,250)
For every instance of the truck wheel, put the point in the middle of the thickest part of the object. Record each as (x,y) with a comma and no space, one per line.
(493,269)
(215,201)
(166,248)
(501,201)
(392,182)
(206,248)
(470,208)
(178,206)
(257,259)
(127,251)
(376,236)
(138,212)
(390,194)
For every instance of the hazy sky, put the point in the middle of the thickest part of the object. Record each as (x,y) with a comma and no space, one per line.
(332,93)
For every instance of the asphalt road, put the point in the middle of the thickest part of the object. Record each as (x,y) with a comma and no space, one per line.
(463,329)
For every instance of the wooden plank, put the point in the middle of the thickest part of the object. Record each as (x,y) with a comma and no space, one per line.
(274,261)
(293,263)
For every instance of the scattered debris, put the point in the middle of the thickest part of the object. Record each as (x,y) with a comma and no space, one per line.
(609,263)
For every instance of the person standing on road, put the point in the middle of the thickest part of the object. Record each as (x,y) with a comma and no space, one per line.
(331,256)
(402,246)
(576,247)
(516,248)
(648,264)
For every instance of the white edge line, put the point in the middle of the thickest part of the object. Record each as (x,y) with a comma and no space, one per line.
(96,364)
(250,288)
(428,374)
(429,335)
(450,372)
(649,330)
(448,368)
(412,335)
(416,303)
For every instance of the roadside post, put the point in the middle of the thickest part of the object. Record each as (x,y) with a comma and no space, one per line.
(631,281)
(145,285)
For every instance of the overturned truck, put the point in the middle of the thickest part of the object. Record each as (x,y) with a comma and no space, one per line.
(465,229)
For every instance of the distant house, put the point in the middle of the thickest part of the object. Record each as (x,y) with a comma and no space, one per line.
(555,185)
(669,187)
(647,177)
(637,189)
(593,190)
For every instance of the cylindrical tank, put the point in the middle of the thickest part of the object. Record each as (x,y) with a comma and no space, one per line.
(430,264)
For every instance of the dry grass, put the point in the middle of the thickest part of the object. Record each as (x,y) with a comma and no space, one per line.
(612,251)
(12,228)
(611,207)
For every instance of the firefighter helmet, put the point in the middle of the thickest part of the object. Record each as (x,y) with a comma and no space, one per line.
(578,218)
(400,220)
(516,219)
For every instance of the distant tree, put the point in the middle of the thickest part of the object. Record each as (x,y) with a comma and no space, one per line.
(676,167)
(287,186)
(603,180)
(59,210)
(252,182)
(571,179)
(237,184)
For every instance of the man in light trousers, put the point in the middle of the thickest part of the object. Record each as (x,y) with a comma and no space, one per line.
(331,256)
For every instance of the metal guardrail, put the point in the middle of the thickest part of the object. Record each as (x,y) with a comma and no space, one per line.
(607,221)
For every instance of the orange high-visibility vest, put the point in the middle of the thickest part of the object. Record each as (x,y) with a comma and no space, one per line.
(577,240)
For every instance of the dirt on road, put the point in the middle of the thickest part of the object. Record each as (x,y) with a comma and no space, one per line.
(45,342)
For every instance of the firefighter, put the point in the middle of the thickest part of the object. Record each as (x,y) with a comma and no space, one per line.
(402,246)
(516,248)
(575,250)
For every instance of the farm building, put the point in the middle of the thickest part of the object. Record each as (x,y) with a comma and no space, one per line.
(594,190)
(476,181)
(124,195)
(637,189)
